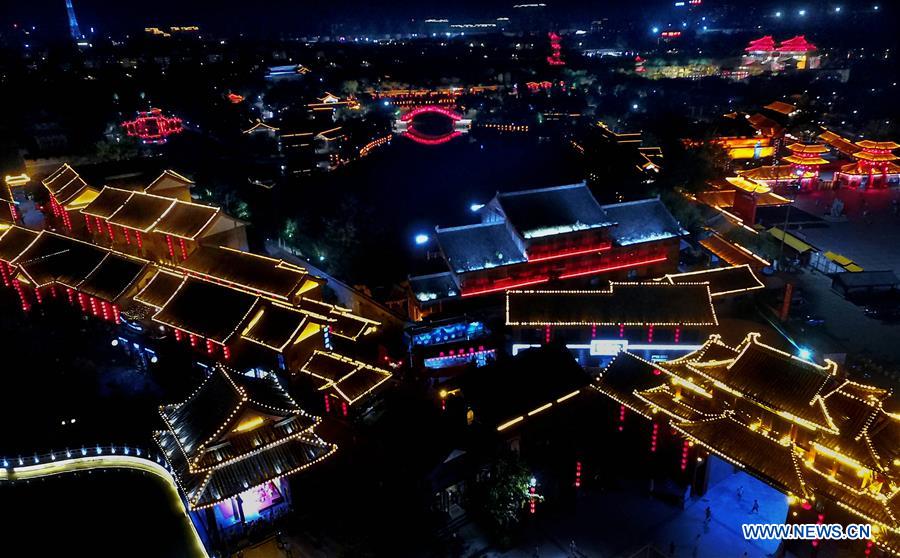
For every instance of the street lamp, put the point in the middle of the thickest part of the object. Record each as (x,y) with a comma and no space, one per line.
(421,239)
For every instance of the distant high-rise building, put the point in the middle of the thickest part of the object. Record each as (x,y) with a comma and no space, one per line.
(74,30)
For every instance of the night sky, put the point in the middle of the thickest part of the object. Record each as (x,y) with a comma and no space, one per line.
(281,15)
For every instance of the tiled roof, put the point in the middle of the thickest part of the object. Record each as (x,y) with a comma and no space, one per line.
(206,309)
(556,210)
(262,274)
(474,247)
(642,221)
(13,241)
(214,460)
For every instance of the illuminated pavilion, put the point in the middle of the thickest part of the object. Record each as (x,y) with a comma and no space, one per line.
(533,237)
(804,428)
(875,166)
(232,442)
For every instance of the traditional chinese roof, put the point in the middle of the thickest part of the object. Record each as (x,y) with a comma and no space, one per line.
(879,145)
(479,246)
(555,210)
(722,280)
(141,211)
(346,378)
(796,44)
(732,253)
(747,185)
(341,321)
(115,275)
(268,276)
(56,258)
(207,309)
(274,326)
(186,220)
(763,44)
(13,241)
(107,202)
(764,124)
(64,184)
(168,180)
(841,144)
(814,148)
(236,432)
(862,170)
(773,172)
(642,221)
(649,303)
(779,381)
(781,107)
(844,421)
(159,289)
(875,154)
(510,393)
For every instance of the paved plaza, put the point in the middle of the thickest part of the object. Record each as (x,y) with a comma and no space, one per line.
(854,236)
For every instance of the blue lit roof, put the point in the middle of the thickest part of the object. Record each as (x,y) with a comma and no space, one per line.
(481,246)
(642,221)
(555,210)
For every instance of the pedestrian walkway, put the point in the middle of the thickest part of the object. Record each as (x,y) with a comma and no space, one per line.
(619,523)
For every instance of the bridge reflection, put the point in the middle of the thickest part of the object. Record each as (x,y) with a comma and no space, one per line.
(406,125)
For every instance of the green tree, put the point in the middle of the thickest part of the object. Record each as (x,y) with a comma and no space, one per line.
(501,495)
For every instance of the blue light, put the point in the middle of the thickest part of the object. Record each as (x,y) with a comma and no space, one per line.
(421,239)
(655,29)
(476,206)
(801,13)
(777,14)
(386,103)
(804,353)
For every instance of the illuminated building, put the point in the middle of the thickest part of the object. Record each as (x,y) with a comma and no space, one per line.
(555,58)
(232,443)
(533,237)
(153,126)
(226,303)
(159,222)
(874,166)
(654,319)
(739,198)
(794,53)
(291,71)
(804,428)
(805,160)
(450,343)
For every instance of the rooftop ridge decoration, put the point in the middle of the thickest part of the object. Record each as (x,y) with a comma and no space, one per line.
(722,281)
(622,297)
(266,448)
(851,456)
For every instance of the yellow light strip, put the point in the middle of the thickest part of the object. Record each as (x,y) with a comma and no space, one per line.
(507,424)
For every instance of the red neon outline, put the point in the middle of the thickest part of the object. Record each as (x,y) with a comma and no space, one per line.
(433,109)
(422,139)
(566,276)
(513,286)
(612,268)
(603,248)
